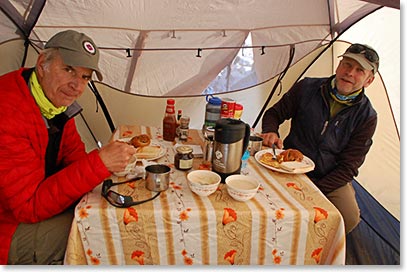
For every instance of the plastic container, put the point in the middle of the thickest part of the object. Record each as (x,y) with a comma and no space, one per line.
(169,121)
(212,111)
(238,111)
(244,170)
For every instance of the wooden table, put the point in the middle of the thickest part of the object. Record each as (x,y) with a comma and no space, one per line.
(288,222)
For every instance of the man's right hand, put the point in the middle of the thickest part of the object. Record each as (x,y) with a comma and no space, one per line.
(116,155)
(271,138)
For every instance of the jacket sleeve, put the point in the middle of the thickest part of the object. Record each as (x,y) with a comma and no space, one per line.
(351,158)
(25,192)
(283,110)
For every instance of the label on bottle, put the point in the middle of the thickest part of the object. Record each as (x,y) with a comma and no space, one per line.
(169,128)
(227,109)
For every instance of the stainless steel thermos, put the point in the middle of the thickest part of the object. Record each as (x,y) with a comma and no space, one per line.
(231,138)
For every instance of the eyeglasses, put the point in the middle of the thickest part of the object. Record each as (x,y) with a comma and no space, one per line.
(369,53)
(118,200)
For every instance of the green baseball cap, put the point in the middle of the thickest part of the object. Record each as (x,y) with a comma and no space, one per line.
(76,49)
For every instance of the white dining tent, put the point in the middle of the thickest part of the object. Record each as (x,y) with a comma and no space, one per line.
(250,51)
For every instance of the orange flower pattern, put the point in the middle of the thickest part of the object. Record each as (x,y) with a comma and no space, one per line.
(277,256)
(93,259)
(130,215)
(230,256)
(280,214)
(316,255)
(126,133)
(83,213)
(138,256)
(293,185)
(320,214)
(229,215)
(183,218)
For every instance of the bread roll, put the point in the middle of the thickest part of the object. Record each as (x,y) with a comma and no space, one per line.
(140,140)
(290,155)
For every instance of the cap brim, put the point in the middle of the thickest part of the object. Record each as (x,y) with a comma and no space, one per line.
(362,61)
(73,58)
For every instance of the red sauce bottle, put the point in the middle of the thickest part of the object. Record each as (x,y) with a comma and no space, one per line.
(169,121)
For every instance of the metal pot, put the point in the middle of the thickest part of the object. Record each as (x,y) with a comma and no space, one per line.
(157,177)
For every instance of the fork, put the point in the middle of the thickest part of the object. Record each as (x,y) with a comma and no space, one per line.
(274,152)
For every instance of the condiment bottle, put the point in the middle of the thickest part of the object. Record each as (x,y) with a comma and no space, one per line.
(183,159)
(177,130)
(184,128)
(169,121)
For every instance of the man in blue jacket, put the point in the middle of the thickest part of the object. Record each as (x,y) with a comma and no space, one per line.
(332,123)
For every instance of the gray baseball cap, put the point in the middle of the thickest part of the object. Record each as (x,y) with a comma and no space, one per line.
(76,49)
(365,55)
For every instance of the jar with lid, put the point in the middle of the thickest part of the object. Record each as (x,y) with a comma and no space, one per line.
(183,158)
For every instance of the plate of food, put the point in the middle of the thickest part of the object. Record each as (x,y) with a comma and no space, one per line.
(146,148)
(290,161)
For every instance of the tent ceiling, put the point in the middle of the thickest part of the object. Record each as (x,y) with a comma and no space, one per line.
(187,47)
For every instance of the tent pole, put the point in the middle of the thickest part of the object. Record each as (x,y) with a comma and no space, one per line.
(99,99)
(278,82)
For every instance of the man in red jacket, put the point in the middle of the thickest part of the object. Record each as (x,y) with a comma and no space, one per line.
(44,168)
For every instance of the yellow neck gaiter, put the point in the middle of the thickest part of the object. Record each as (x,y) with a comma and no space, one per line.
(48,110)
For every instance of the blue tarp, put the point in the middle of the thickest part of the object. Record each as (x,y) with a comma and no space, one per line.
(376,240)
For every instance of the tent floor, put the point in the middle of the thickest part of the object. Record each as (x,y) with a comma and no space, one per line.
(376,240)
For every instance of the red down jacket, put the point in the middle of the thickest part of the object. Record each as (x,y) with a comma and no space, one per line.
(26,196)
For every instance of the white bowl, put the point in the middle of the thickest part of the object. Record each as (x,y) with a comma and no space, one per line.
(203,182)
(129,167)
(241,187)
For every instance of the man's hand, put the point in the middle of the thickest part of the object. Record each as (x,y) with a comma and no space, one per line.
(116,155)
(271,138)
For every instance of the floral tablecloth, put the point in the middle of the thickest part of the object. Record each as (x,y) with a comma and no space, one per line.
(288,222)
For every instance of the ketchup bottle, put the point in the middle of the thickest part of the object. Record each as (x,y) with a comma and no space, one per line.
(169,121)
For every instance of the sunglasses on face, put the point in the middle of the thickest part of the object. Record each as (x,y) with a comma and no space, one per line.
(369,53)
(118,200)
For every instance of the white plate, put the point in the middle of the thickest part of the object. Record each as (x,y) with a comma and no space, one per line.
(153,143)
(305,166)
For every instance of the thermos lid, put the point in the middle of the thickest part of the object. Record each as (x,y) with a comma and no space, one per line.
(229,130)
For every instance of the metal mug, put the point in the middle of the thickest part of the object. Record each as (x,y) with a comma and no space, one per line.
(157,177)
(208,148)
(255,144)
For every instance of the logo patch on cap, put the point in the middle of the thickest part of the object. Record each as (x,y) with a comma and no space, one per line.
(88,46)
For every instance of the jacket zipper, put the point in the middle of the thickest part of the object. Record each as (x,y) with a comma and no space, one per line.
(324,128)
